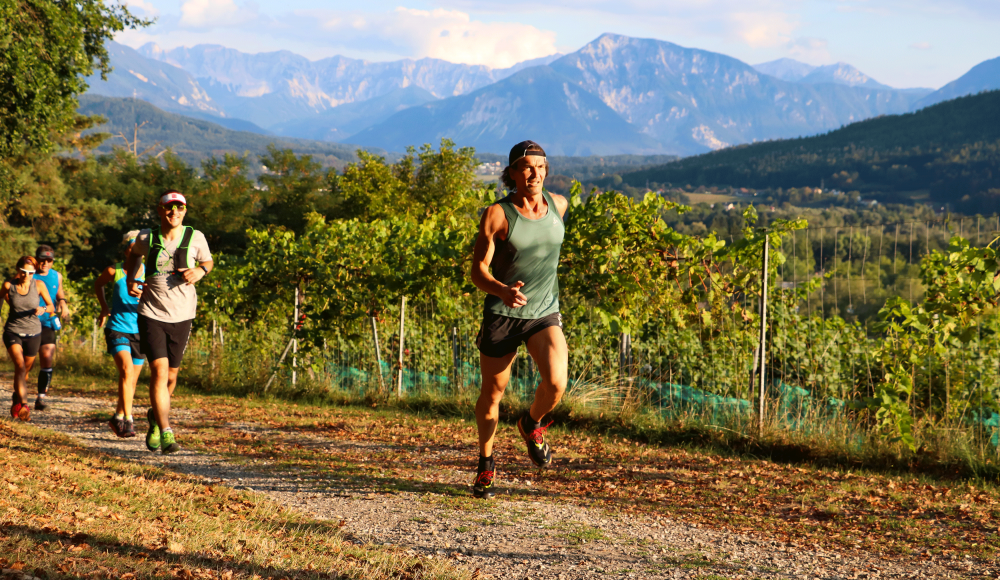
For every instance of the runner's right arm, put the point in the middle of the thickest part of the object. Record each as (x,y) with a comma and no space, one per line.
(106,276)
(43,291)
(132,264)
(492,227)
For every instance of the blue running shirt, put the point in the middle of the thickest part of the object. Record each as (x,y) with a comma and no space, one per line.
(51,281)
(124,306)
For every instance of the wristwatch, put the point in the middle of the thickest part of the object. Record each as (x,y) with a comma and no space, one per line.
(204,268)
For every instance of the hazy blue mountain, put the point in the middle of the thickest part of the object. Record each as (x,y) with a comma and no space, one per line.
(985,76)
(345,120)
(537,103)
(694,100)
(229,123)
(786,69)
(195,140)
(165,86)
(275,88)
(842,74)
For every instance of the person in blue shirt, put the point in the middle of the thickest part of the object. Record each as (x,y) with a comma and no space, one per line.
(51,323)
(122,336)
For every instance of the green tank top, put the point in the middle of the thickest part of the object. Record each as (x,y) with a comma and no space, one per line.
(529,254)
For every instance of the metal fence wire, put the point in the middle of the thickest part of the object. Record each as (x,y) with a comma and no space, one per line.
(818,355)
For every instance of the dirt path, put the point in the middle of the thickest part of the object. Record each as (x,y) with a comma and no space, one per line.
(504,538)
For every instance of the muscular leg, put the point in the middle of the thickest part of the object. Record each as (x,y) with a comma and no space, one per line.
(46,359)
(130,390)
(172,380)
(21,366)
(126,382)
(159,390)
(548,349)
(496,375)
(46,356)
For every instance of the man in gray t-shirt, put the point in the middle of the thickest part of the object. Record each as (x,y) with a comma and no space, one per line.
(169,297)
(176,258)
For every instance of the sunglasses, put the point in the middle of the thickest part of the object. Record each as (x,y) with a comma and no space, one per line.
(175,207)
(26,272)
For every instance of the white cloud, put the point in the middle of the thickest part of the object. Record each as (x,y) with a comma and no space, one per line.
(213,13)
(143,8)
(809,49)
(445,34)
(759,29)
(921,45)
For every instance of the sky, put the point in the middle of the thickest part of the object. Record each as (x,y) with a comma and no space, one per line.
(902,43)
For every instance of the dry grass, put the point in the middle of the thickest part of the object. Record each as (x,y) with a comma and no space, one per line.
(67,512)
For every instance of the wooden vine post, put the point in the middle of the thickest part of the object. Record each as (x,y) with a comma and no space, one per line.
(762,349)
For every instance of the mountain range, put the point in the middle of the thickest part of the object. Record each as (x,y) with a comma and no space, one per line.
(617,94)
(948,151)
(196,140)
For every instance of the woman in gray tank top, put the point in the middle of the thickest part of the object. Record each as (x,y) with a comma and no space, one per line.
(515,262)
(22,332)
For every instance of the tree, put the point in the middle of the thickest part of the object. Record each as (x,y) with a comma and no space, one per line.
(47,48)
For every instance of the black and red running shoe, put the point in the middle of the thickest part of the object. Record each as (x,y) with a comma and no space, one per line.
(20,411)
(483,488)
(534,436)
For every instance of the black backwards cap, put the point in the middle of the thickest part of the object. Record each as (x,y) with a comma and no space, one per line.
(44,253)
(520,151)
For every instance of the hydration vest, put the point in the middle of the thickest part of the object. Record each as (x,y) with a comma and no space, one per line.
(181,255)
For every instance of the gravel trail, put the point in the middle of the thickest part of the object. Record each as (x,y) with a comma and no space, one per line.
(506,539)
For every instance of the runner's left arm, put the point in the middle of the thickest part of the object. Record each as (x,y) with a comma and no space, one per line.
(205,262)
(62,305)
(562,204)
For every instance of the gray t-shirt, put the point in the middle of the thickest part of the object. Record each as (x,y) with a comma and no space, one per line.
(167,297)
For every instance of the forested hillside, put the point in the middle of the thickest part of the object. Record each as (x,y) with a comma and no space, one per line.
(195,140)
(950,150)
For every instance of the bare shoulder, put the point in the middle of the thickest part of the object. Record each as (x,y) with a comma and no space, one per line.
(494,220)
(562,204)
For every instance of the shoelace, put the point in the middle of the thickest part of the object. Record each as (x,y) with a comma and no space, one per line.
(538,435)
(485,478)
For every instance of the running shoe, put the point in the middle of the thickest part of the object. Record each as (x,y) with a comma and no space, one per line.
(167,443)
(538,449)
(40,404)
(482,487)
(117,426)
(20,411)
(129,428)
(153,433)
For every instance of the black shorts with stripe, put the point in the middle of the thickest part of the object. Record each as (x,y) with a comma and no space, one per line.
(500,335)
(163,340)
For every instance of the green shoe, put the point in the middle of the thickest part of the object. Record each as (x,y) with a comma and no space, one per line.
(167,443)
(153,433)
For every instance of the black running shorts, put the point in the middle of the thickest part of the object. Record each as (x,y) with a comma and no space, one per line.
(49,336)
(29,344)
(163,340)
(119,341)
(500,335)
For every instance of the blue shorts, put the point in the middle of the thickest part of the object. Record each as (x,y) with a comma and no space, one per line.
(119,341)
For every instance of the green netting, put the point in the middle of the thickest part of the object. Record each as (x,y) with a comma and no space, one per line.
(796,407)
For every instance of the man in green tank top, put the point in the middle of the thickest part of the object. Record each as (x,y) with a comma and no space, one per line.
(515,262)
